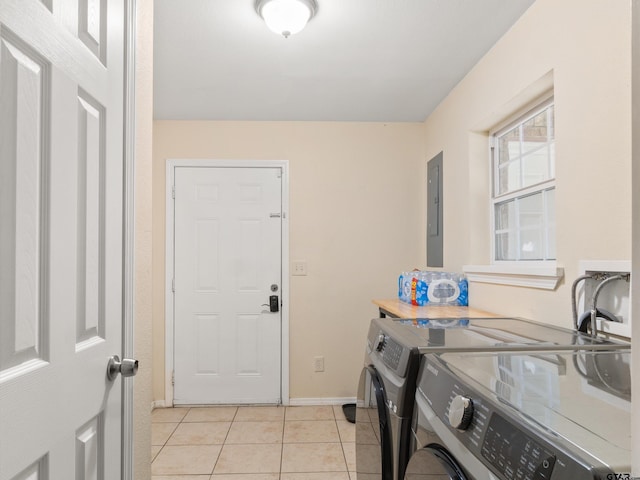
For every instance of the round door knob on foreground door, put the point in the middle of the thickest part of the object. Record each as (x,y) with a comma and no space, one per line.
(127,367)
(460,412)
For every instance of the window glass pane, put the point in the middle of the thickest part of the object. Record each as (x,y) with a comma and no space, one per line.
(526,153)
(525,227)
(550,200)
(509,146)
(506,247)
(509,177)
(532,244)
(531,211)
(506,223)
(535,166)
(535,132)
(506,216)
(532,234)
(525,158)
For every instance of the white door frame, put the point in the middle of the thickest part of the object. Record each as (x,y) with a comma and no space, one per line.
(128,298)
(169,267)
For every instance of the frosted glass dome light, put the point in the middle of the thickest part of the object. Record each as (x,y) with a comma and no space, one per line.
(286,17)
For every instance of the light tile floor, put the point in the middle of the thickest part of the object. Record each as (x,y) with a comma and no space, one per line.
(252,443)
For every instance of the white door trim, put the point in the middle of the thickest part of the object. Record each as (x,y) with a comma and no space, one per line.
(169,267)
(129,235)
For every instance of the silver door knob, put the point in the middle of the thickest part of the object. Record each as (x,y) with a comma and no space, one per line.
(127,367)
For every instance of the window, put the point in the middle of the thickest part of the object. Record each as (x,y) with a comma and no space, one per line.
(523,200)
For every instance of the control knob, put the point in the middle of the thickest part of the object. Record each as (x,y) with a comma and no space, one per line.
(460,412)
(380,342)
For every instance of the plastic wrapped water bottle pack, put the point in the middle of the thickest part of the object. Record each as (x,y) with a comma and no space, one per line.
(428,287)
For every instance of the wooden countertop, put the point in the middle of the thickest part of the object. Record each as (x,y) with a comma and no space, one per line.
(400,309)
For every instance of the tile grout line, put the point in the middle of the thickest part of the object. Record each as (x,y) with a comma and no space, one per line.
(344,455)
(234,420)
(213,469)
(167,440)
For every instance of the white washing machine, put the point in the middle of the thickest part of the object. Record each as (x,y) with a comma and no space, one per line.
(547,415)
(386,392)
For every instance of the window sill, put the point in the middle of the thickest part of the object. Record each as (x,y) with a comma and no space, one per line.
(544,277)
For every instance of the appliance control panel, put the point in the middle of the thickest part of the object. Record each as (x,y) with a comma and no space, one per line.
(513,452)
(508,446)
(391,352)
(397,364)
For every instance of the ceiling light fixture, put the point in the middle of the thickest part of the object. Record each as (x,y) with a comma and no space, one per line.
(286,17)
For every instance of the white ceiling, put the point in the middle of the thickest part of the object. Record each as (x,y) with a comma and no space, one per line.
(357,60)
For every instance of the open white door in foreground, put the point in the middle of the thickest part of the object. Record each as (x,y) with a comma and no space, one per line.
(61,238)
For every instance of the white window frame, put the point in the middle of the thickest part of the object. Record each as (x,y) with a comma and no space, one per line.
(521,117)
(539,274)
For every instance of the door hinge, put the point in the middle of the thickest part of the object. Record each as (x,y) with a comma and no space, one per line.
(173,191)
(173,378)
(173,285)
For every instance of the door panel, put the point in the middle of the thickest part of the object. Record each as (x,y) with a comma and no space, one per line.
(25,83)
(227,344)
(61,171)
(90,248)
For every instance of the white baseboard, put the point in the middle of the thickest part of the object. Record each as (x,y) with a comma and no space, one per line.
(294,402)
(299,402)
(158,404)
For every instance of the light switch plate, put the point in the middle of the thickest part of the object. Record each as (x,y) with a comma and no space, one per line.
(318,364)
(299,268)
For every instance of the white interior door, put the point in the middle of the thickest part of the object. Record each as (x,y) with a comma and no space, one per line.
(61,202)
(227,263)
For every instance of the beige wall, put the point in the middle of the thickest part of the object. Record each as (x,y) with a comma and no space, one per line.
(584,50)
(354,205)
(143,299)
(358,193)
(635,294)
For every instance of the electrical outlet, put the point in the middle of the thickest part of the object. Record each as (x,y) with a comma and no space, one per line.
(299,268)
(318,364)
